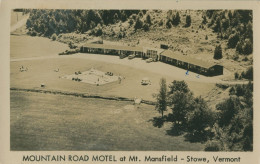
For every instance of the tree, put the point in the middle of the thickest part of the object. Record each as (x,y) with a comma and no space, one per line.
(148,19)
(176,19)
(217,27)
(179,86)
(200,119)
(188,21)
(180,101)
(218,52)
(247,47)
(204,21)
(232,40)
(138,24)
(227,110)
(161,97)
(249,73)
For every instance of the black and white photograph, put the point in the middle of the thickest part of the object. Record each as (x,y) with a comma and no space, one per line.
(131,80)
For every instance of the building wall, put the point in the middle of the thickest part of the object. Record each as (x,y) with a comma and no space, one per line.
(212,71)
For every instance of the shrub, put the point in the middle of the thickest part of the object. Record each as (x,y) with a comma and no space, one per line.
(245,59)
(161,22)
(206,37)
(222,86)
(213,146)
(54,37)
(235,57)
(131,21)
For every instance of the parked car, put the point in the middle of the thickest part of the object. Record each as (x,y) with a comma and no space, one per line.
(131,56)
(145,81)
(149,60)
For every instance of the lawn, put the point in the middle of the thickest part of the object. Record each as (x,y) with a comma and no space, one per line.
(56,122)
(27,46)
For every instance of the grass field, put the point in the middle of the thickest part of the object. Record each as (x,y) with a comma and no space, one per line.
(55,122)
(27,46)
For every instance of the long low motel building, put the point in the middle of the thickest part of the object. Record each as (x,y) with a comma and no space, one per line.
(166,56)
(191,64)
(112,49)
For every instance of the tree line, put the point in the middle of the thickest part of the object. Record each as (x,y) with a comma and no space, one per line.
(227,128)
(233,25)
(48,22)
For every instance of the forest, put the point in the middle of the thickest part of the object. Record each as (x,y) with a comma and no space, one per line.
(235,26)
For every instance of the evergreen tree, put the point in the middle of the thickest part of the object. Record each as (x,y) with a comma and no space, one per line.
(138,24)
(218,52)
(148,19)
(161,97)
(188,21)
(176,19)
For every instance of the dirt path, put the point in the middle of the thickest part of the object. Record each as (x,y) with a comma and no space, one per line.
(156,67)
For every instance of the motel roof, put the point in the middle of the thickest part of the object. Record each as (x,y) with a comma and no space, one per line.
(180,57)
(113,47)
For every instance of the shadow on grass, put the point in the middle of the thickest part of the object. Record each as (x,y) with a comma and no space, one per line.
(198,137)
(175,131)
(158,121)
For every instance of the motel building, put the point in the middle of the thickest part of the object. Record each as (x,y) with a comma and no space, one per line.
(191,64)
(166,56)
(111,49)
(153,53)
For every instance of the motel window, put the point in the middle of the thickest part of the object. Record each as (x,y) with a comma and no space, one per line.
(151,53)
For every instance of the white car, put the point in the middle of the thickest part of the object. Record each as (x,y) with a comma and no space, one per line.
(131,56)
(149,60)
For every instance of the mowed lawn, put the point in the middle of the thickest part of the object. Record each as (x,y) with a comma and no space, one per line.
(56,122)
(26,46)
